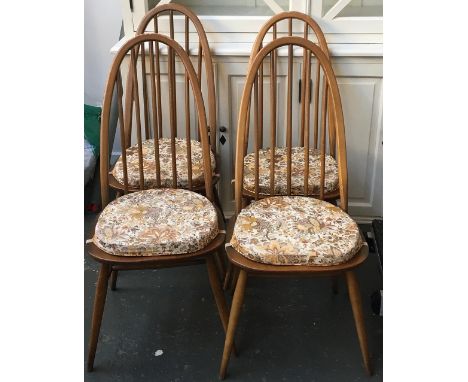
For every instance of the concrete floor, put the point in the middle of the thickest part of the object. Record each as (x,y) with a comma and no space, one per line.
(289,330)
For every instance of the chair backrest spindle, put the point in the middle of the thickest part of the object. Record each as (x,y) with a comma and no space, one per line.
(172,101)
(273,60)
(122,129)
(155,97)
(322,142)
(145,94)
(289,112)
(306,109)
(136,99)
(187,110)
(304,82)
(158,81)
(316,106)
(256,136)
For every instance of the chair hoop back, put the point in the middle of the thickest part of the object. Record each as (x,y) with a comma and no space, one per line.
(290,16)
(203,55)
(146,98)
(251,85)
(272,24)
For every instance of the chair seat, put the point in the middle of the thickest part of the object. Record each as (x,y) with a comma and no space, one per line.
(165,158)
(156,222)
(295,230)
(297,172)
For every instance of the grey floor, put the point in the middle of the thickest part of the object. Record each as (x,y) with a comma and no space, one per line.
(289,330)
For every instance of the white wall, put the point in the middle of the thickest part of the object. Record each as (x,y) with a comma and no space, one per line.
(102,23)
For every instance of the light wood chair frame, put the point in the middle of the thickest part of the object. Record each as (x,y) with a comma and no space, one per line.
(248,268)
(110,264)
(272,24)
(204,59)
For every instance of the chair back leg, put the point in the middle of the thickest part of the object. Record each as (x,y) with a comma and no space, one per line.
(98,310)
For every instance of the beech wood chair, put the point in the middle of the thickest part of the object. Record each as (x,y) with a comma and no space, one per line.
(154,226)
(267,153)
(293,236)
(164,15)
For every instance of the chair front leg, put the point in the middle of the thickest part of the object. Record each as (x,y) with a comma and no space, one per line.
(233,319)
(355,298)
(218,294)
(217,291)
(98,309)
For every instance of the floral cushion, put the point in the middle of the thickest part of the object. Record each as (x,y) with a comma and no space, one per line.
(297,172)
(295,230)
(156,222)
(165,158)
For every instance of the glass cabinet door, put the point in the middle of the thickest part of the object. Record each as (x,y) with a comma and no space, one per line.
(354,8)
(240,20)
(221,16)
(232,8)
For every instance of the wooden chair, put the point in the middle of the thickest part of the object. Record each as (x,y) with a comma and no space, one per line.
(266,177)
(293,236)
(331,192)
(153,227)
(164,14)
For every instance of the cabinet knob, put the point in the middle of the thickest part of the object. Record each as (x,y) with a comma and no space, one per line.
(223,129)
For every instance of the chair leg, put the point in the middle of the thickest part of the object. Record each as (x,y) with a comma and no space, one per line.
(233,319)
(355,298)
(218,294)
(335,284)
(98,309)
(235,277)
(113,277)
(220,265)
(217,291)
(227,278)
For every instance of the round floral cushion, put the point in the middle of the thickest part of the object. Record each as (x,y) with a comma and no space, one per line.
(295,230)
(297,172)
(156,222)
(165,159)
